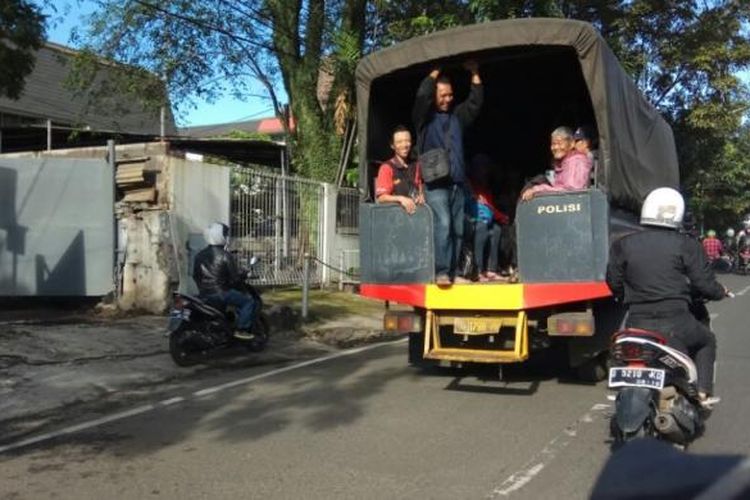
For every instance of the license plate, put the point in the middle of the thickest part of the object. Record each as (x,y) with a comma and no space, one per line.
(477,326)
(652,378)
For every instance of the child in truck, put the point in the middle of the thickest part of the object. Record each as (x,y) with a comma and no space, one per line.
(486,219)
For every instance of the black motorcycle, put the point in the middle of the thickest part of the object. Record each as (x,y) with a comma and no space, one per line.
(199,327)
(657,395)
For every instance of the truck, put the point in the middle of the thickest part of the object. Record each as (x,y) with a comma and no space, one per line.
(537,74)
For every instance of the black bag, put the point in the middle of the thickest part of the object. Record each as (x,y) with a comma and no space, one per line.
(436,163)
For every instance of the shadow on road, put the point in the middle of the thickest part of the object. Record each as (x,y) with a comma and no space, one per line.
(319,397)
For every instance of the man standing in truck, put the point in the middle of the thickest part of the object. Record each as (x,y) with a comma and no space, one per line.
(440,125)
(572,167)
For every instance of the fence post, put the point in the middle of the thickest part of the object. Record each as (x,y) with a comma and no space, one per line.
(305,285)
(341,271)
(330,194)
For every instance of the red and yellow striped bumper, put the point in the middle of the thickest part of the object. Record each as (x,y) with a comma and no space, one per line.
(488,296)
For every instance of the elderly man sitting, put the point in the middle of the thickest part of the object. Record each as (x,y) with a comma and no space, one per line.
(572,167)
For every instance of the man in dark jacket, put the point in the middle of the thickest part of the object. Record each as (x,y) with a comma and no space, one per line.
(654,271)
(440,124)
(218,278)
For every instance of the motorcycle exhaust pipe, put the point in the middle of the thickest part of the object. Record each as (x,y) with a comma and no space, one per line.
(666,424)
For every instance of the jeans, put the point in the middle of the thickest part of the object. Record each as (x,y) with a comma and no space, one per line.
(447,204)
(687,334)
(484,231)
(245,305)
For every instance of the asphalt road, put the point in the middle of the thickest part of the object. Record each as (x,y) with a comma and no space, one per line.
(362,425)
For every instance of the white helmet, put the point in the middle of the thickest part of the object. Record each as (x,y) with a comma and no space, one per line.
(663,207)
(730,233)
(217,234)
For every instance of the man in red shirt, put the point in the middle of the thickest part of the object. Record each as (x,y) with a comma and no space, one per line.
(399,179)
(712,246)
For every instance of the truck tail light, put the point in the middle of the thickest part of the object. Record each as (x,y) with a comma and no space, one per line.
(402,322)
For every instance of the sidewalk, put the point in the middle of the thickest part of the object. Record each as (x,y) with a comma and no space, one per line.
(56,364)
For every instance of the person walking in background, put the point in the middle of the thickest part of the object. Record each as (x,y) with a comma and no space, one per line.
(440,127)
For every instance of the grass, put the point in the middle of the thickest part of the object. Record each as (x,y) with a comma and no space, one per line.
(324,304)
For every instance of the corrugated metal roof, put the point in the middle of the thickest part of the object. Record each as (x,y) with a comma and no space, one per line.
(45,96)
(271,126)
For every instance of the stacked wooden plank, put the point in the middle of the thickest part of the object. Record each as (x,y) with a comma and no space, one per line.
(131,178)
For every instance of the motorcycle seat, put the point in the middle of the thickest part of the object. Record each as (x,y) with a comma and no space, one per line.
(641,333)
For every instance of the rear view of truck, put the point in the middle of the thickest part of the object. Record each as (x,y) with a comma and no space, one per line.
(537,74)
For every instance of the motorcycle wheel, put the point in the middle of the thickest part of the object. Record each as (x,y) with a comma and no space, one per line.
(178,349)
(260,330)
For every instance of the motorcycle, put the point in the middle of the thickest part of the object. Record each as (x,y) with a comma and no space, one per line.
(743,261)
(657,395)
(199,327)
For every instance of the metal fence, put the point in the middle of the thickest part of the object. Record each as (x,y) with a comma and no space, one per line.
(347,211)
(278,219)
(348,268)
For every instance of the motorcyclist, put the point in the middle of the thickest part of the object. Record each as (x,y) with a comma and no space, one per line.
(653,272)
(218,278)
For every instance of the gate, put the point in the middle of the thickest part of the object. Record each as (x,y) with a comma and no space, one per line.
(278,219)
(57,228)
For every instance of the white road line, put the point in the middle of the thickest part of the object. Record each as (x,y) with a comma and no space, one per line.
(743,291)
(167,402)
(538,462)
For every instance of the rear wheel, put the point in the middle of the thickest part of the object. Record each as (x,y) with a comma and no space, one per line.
(261,331)
(179,348)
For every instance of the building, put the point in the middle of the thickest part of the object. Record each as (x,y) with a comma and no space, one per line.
(51,115)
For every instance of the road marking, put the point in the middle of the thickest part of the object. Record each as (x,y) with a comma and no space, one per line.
(713,316)
(743,291)
(538,462)
(167,402)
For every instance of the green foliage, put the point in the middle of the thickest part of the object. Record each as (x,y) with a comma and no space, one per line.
(250,136)
(22,33)
(207,49)
(720,188)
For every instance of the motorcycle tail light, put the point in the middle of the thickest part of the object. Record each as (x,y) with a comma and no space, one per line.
(179,302)
(632,351)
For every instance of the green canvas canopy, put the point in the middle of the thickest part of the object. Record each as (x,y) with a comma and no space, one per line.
(537,74)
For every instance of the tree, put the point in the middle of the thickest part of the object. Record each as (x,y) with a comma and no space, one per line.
(204,49)
(22,33)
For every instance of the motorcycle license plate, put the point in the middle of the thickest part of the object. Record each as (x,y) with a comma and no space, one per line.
(653,378)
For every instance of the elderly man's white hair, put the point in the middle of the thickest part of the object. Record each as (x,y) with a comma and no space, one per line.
(216,234)
(563,132)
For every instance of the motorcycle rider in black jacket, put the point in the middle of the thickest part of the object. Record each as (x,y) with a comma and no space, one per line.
(219,279)
(654,271)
